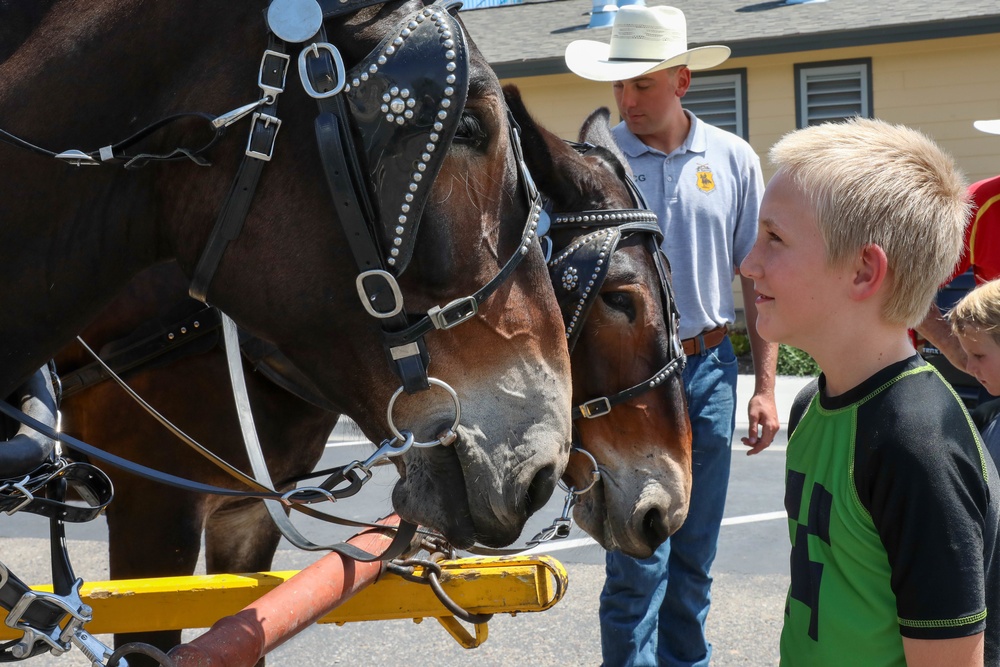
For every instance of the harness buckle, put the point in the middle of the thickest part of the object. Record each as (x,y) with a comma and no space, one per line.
(597,407)
(369,296)
(454,313)
(273,71)
(58,637)
(77,158)
(338,64)
(260,145)
(19,486)
(388,449)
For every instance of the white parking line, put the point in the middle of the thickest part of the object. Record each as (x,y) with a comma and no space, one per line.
(550,547)
(754,518)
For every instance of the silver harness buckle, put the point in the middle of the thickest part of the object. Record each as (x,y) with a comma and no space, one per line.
(597,407)
(454,313)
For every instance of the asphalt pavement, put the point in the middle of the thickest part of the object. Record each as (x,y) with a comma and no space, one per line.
(751,575)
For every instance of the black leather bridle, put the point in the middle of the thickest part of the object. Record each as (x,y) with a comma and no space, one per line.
(579,269)
(405,98)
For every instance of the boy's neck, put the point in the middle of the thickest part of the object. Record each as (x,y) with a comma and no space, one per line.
(861,357)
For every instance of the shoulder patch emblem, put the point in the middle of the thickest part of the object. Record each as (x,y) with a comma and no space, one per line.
(705,181)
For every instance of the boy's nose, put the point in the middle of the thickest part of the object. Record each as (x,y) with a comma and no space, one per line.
(748,265)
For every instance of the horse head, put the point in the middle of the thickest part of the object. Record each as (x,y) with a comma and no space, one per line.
(624,337)
(287,274)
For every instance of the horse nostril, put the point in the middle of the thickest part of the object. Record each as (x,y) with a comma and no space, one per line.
(654,528)
(541,488)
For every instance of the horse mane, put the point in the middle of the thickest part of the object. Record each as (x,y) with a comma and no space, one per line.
(570,181)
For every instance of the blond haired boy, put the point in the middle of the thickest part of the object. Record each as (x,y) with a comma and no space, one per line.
(975,322)
(893,506)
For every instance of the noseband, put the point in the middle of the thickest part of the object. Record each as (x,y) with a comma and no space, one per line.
(579,270)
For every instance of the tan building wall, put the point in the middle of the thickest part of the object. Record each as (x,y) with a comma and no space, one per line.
(938,86)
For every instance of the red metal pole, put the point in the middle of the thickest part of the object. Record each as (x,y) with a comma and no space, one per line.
(244,638)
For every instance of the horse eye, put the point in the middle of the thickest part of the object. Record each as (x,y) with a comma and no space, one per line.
(620,301)
(470,131)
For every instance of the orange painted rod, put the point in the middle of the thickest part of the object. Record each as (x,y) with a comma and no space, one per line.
(247,636)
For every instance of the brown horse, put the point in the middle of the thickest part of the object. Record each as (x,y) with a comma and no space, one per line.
(75,229)
(642,446)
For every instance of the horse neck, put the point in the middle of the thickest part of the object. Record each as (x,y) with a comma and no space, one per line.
(75,83)
(57,280)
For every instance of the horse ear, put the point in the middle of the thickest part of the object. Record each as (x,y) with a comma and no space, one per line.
(536,143)
(596,130)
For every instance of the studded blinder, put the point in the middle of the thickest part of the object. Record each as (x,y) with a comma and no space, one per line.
(577,274)
(406,98)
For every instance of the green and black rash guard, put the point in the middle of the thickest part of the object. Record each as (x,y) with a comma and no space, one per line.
(893,509)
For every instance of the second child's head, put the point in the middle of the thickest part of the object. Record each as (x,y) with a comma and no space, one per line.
(975,320)
(849,198)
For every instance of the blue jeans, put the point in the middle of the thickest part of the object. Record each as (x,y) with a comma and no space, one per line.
(653,611)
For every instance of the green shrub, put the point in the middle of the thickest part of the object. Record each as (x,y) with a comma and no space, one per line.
(741,343)
(791,360)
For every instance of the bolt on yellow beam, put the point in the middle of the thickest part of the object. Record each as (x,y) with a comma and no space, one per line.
(509,584)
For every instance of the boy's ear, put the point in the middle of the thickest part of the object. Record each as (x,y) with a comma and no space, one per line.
(871,269)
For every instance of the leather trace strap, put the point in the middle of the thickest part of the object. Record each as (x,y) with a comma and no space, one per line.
(142,349)
(356,473)
(402,537)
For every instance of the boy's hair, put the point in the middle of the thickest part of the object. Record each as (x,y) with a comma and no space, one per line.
(871,182)
(979,308)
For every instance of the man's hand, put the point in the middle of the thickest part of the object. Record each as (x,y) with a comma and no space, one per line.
(762,411)
(764,424)
(936,329)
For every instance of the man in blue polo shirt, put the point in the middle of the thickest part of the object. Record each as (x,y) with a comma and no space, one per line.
(705,185)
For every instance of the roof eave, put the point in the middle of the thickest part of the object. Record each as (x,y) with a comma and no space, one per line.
(965,27)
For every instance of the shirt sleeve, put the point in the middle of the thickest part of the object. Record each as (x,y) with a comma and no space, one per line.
(745,233)
(925,489)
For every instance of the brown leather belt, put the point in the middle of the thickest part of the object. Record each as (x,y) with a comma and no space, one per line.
(706,340)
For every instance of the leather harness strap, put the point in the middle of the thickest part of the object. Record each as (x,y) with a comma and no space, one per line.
(234,212)
(147,350)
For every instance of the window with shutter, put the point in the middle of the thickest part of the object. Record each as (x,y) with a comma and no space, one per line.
(828,92)
(719,98)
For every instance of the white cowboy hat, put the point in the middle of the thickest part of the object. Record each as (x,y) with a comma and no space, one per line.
(643,40)
(990,126)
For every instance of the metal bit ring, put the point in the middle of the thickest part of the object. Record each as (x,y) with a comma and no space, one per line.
(444,439)
(595,474)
